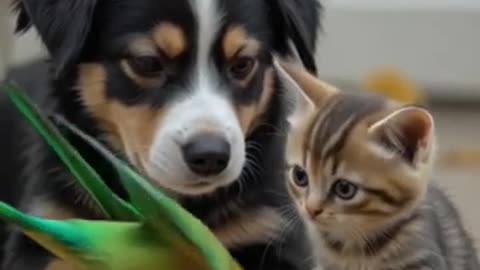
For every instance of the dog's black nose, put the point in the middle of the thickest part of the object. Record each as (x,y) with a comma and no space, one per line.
(207,155)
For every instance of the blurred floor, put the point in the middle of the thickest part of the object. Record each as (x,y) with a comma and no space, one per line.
(458,168)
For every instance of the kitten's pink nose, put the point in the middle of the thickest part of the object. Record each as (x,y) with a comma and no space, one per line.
(314,210)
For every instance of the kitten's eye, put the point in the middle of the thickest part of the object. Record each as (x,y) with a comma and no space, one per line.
(147,66)
(300,176)
(345,190)
(242,67)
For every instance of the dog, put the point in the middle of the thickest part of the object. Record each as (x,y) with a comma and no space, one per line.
(186,92)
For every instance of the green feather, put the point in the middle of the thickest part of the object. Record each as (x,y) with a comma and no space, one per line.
(63,239)
(56,230)
(111,205)
(101,245)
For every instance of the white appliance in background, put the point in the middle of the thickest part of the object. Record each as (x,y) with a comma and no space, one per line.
(435,42)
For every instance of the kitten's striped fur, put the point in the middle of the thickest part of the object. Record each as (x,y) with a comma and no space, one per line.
(383,151)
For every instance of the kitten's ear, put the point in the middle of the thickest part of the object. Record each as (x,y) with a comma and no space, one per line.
(304,90)
(408,132)
(63,25)
(300,104)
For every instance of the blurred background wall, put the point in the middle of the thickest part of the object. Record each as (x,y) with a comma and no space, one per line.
(435,42)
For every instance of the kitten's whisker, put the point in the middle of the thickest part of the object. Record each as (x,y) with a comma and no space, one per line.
(290,228)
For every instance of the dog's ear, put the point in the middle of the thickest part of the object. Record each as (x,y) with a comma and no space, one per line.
(63,25)
(297,21)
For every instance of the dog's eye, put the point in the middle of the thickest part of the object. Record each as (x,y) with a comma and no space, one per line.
(242,67)
(147,66)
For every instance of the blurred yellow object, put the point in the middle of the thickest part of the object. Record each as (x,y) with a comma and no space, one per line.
(461,159)
(392,83)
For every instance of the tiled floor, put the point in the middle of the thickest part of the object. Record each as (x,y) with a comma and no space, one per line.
(458,168)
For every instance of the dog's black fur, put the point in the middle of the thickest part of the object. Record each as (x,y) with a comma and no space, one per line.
(77,31)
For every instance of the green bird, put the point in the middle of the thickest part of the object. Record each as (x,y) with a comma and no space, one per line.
(149,232)
(96,245)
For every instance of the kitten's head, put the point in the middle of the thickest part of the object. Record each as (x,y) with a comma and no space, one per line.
(356,162)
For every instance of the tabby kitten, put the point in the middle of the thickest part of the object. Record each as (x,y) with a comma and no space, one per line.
(358,170)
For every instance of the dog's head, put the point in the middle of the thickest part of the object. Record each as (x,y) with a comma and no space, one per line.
(177,86)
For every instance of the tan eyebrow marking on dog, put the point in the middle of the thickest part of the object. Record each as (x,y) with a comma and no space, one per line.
(236,39)
(170,38)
